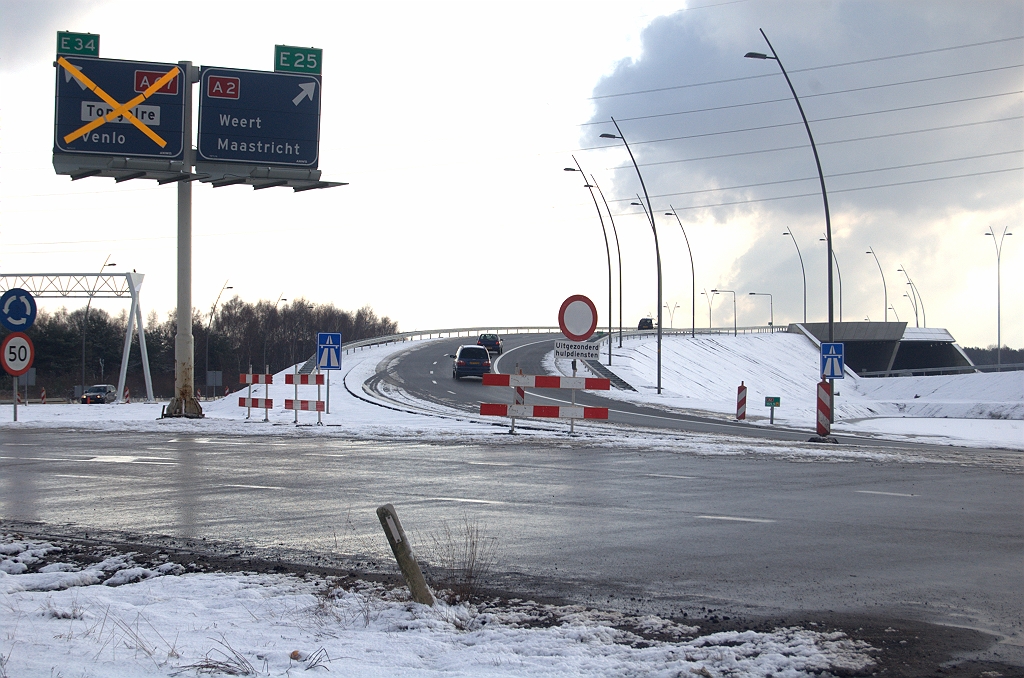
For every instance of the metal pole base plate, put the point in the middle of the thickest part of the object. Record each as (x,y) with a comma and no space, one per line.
(184,407)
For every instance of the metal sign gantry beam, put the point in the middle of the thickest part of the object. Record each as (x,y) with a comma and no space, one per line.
(93,286)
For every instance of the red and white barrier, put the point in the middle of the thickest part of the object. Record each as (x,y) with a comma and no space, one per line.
(304,405)
(543,411)
(824,408)
(520,396)
(533,381)
(127,395)
(741,402)
(42,396)
(249,402)
(304,379)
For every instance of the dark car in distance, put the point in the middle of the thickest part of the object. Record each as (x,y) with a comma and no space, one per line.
(646,324)
(492,342)
(470,361)
(99,393)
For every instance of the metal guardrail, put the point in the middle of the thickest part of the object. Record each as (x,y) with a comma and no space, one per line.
(542,329)
(925,371)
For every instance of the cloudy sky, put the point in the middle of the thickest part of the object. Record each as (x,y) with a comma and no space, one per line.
(453,123)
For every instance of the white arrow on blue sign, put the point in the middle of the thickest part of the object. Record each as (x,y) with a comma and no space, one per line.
(328,350)
(832,364)
(17,310)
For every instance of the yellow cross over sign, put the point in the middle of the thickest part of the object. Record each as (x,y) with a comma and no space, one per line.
(119,110)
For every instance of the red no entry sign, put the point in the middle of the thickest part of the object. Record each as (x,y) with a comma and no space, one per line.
(17,353)
(577,318)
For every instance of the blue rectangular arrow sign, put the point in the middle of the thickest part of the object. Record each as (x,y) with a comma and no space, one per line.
(90,91)
(259,117)
(328,350)
(832,365)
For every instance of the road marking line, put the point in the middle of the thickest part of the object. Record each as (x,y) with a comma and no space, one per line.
(255,487)
(433,382)
(660,475)
(888,494)
(71,475)
(488,463)
(453,392)
(738,520)
(119,459)
(464,501)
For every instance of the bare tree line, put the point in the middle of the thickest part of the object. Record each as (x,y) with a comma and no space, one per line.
(240,334)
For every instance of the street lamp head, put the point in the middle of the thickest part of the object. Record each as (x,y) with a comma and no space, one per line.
(610,136)
(571,169)
(785,233)
(637,203)
(105,265)
(756,55)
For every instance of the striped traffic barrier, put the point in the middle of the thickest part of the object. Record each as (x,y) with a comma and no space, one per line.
(824,408)
(741,402)
(42,396)
(258,403)
(540,381)
(543,411)
(249,402)
(317,378)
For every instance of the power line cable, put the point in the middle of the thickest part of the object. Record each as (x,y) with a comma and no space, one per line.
(831,191)
(831,176)
(804,70)
(784,99)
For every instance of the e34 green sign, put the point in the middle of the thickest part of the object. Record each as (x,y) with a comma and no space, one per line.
(288,59)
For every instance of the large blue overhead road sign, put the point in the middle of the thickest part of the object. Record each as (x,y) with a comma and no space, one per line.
(122,108)
(259,118)
(17,309)
(832,364)
(328,350)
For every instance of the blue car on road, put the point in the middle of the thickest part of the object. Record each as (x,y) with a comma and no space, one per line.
(470,361)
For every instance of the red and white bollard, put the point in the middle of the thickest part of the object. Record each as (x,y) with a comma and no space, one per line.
(127,395)
(42,396)
(741,402)
(824,408)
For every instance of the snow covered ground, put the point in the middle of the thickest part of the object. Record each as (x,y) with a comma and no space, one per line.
(124,618)
(703,373)
(121,619)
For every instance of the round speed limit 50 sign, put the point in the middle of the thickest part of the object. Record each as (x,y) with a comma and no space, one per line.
(17,353)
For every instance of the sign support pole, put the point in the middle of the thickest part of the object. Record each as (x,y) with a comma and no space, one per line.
(184,403)
(14,390)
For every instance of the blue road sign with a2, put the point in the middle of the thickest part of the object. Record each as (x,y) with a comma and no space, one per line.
(259,117)
(328,350)
(89,90)
(832,364)
(17,309)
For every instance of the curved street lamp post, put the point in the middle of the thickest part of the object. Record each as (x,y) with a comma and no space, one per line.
(885,290)
(710,298)
(672,315)
(915,297)
(693,276)
(821,178)
(771,306)
(999,291)
(733,307)
(839,274)
(85,320)
(209,326)
(618,250)
(654,229)
(607,249)
(266,332)
(803,272)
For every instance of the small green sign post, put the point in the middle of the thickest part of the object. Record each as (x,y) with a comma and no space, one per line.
(288,59)
(78,44)
(772,402)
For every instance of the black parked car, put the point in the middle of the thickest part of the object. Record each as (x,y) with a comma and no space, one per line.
(470,361)
(646,324)
(99,393)
(492,342)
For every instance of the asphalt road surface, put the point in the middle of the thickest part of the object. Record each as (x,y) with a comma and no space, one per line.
(669,532)
(660,531)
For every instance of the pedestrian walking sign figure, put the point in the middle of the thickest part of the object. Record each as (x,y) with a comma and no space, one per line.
(832,364)
(328,350)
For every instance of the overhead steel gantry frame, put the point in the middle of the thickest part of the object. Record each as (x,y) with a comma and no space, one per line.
(93,286)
